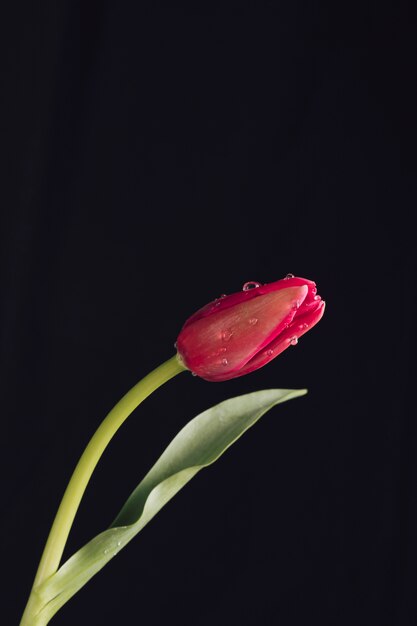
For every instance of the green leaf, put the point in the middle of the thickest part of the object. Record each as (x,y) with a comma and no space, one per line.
(201,442)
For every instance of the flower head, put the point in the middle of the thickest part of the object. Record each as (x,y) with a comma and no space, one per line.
(237,334)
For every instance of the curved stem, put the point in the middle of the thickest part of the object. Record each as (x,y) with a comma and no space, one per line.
(61,526)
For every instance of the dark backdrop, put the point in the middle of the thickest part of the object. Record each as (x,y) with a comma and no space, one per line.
(154,159)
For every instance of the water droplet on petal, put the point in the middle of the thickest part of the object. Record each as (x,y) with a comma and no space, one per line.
(193,373)
(269,352)
(223,349)
(251,284)
(119,543)
(253,321)
(227,334)
(224,361)
(294,340)
(303,326)
(106,551)
(317,298)
(223,295)
(289,276)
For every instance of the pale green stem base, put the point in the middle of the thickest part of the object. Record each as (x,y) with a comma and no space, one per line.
(61,526)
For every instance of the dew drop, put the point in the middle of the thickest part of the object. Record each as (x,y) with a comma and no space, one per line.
(119,543)
(251,284)
(193,373)
(223,349)
(224,361)
(253,321)
(294,341)
(227,334)
(269,352)
(303,326)
(317,298)
(217,300)
(106,551)
(289,276)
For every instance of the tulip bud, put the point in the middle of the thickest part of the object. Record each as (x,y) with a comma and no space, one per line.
(237,334)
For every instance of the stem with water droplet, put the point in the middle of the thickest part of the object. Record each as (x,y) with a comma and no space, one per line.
(67,510)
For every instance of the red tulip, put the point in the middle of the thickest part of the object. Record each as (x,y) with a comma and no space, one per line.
(237,334)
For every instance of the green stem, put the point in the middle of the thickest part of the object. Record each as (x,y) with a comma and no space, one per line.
(67,510)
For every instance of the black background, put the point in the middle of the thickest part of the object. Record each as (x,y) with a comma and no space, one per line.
(155,158)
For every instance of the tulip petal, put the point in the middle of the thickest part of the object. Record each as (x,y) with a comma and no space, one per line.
(239,333)
(219,345)
(225,302)
(296,329)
